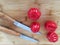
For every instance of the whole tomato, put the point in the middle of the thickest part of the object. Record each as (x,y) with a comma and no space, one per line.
(52,37)
(35,26)
(34,14)
(50,26)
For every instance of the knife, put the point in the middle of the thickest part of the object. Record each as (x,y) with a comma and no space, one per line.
(17,24)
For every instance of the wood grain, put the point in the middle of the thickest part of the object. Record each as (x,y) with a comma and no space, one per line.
(50,9)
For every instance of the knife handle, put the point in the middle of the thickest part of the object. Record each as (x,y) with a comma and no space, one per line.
(9,31)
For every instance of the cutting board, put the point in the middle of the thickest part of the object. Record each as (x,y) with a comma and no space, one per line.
(18,9)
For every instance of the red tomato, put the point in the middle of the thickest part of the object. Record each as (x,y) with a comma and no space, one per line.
(35,26)
(52,37)
(50,26)
(34,14)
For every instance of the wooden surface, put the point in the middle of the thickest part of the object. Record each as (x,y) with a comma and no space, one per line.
(50,9)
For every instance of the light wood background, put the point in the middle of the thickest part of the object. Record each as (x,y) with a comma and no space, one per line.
(50,9)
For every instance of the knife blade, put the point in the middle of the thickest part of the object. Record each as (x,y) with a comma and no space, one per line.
(27,38)
(18,24)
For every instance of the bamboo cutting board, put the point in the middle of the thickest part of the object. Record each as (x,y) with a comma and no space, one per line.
(50,9)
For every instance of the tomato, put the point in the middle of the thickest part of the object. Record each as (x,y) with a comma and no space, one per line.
(52,37)
(50,26)
(34,14)
(35,26)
